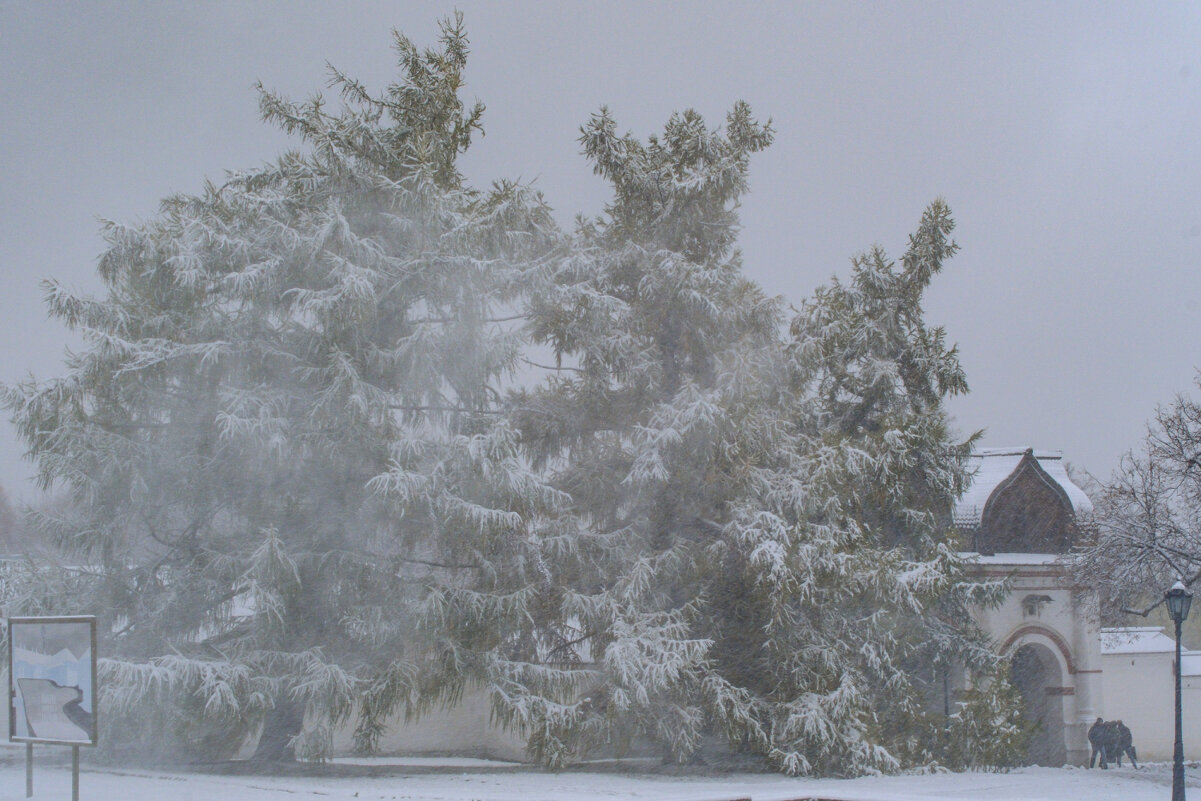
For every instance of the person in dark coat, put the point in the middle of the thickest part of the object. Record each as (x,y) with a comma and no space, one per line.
(1113,742)
(1096,738)
(1125,744)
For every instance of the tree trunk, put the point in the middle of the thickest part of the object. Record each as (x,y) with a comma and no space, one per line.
(282,723)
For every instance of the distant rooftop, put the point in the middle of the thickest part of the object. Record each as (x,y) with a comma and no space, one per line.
(1148,640)
(1136,640)
(1008,559)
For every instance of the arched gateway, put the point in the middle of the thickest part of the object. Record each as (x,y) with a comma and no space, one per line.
(1019,516)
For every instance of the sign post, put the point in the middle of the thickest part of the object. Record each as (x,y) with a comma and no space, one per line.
(52,687)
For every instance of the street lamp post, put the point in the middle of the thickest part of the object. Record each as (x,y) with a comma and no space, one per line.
(1178,599)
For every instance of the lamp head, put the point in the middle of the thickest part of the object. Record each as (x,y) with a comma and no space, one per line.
(1179,600)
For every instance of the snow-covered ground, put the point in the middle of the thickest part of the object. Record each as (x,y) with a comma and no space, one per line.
(476,780)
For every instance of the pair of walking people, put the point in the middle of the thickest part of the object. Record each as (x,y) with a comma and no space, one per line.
(1110,739)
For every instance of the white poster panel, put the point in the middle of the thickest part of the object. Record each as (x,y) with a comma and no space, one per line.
(52,680)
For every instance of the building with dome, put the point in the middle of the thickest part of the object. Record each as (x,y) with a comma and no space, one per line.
(1018,518)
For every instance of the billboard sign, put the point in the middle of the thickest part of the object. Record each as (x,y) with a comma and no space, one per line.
(52,680)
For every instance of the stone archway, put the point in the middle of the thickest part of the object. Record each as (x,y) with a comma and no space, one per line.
(1039,678)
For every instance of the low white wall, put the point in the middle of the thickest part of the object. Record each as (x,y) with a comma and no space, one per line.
(462,731)
(1139,690)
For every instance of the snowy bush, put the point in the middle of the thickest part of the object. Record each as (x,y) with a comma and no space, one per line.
(989,732)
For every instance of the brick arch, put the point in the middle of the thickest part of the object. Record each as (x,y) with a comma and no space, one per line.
(1065,650)
(1038,674)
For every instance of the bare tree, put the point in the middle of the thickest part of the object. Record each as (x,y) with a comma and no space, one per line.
(1148,517)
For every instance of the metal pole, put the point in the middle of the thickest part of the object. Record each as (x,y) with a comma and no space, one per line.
(1178,749)
(74,773)
(29,770)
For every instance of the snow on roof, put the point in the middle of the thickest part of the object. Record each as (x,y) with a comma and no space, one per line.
(1013,558)
(991,466)
(1148,640)
(1137,640)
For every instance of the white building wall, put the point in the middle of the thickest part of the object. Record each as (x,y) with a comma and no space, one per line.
(1140,691)
(1042,610)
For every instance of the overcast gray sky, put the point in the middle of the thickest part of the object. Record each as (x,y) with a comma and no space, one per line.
(1066,138)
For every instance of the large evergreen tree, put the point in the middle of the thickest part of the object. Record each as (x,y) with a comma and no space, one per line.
(758,545)
(844,551)
(301,493)
(663,351)
(283,439)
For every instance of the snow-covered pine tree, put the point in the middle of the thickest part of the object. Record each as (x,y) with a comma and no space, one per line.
(847,589)
(283,438)
(758,546)
(662,390)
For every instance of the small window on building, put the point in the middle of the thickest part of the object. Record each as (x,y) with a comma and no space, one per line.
(1032,605)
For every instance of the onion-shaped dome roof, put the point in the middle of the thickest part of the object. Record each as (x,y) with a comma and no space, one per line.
(1020,501)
